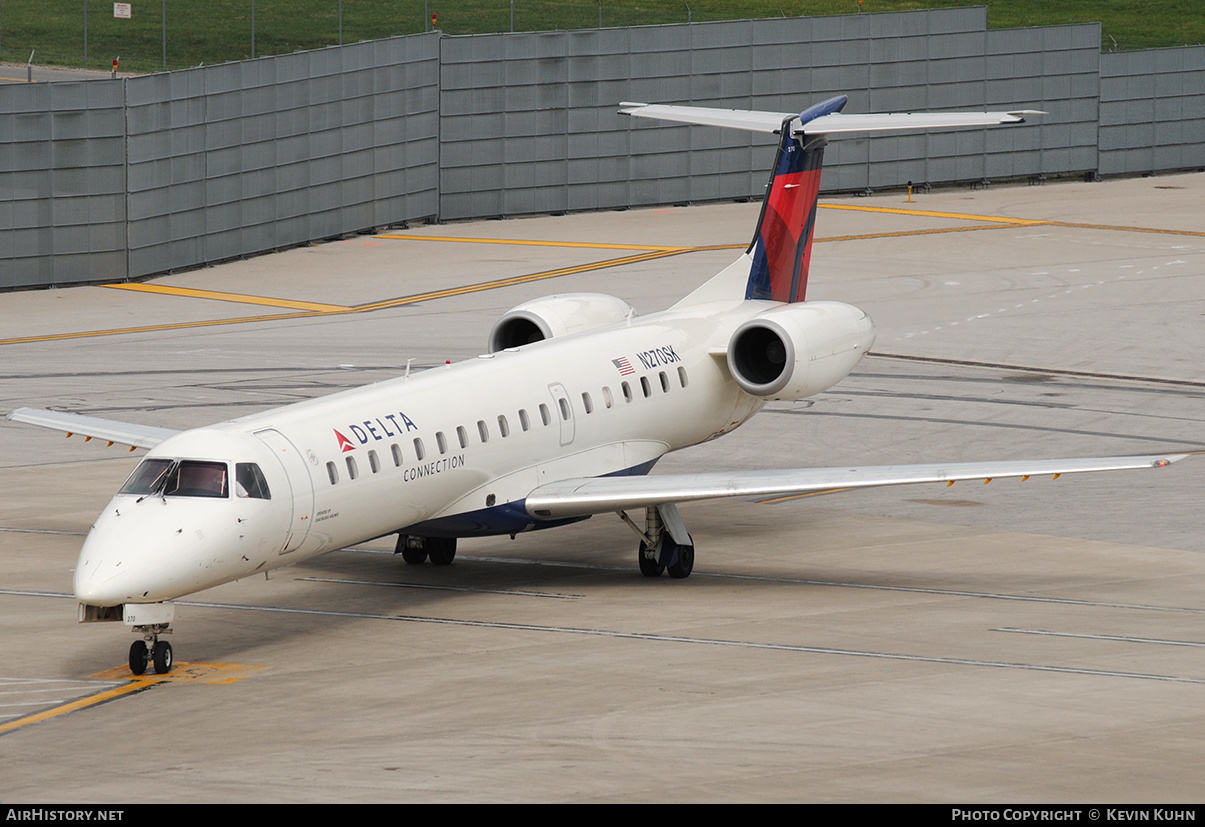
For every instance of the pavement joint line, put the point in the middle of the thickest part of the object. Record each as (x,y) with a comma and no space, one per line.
(1116,638)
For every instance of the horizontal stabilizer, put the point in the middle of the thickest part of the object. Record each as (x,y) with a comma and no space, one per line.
(126,433)
(598,495)
(832,124)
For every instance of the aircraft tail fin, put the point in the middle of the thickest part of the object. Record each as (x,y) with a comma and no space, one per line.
(782,245)
(781,250)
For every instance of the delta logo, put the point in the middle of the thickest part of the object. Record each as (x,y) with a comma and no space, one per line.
(374,430)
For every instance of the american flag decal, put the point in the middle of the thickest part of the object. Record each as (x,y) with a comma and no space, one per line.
(623,366)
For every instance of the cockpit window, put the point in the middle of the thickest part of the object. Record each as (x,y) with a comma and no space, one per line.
(147,477)
(196,478)
(249,481)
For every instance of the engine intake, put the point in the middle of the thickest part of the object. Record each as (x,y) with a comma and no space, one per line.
(554,316)
(794,351)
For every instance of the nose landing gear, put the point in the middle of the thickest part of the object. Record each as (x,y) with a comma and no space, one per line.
(150,650)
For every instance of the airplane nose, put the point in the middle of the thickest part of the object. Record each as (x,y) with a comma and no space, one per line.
(99,576)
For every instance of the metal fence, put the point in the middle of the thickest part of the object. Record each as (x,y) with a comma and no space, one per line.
(1152,110)
(116,179)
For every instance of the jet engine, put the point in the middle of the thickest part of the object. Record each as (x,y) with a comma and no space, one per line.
(793,351)
(559,315)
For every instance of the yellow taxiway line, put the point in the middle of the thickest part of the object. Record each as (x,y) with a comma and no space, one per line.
(216,295)
(76,705)
(208,673)
(304,309)
(587,245)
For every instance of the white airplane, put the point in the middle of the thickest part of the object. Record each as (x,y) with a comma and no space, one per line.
(575,401)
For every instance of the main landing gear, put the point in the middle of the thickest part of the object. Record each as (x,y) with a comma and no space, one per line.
(441,551)
(151,650)
(665,544)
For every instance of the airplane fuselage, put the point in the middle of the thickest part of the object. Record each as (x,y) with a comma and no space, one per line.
(447,452)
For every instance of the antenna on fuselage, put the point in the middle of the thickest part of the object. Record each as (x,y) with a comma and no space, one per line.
(409,362)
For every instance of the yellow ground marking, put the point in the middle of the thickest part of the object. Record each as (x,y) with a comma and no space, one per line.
(210,673)
(513,280)
(788,497)
(226,297)
(902,233)
(589,245)
(1002,219)
(312,309)
(1126,229)
(995,219)
(182,672)
(364,308)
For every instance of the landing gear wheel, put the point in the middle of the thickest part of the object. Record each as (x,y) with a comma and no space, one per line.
(684,562)
(162,657)
(414,556)
(649,568)
(139,656)
(441,550)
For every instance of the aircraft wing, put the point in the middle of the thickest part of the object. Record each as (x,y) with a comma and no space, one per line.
(126,433)
(598,495)
(832,124)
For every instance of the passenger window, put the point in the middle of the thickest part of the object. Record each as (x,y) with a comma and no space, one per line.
(332,472)
(608,400)
(418,449)
(503,428)
(441,441)
(565,412)
(249,482)
(195,478)
(524,420)
(397,455)
(544,415)
(627,391)
(373,462)
(587,403)
(682,377)
(644,386)
(664,382)
(352,470)
(483,431)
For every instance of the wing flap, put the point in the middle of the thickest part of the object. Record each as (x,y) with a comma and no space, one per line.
(598,495)
(126,433)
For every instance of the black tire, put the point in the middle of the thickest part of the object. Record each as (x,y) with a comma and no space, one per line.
(649,568)
(683,561)
(138,657)
(414,556)
(441,550)
(163,657)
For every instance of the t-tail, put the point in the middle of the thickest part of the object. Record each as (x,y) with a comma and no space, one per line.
(781,250)
(782,246)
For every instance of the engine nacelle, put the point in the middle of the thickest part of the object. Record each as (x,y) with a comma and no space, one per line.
(554,316)
(794,351)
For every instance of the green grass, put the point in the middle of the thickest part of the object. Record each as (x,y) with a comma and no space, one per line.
(213,31)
